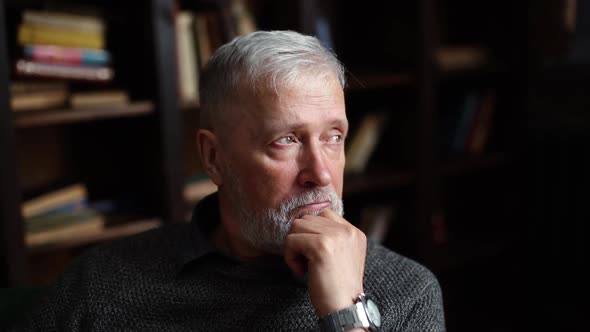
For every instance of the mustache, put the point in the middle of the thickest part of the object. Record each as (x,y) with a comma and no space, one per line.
(315,195)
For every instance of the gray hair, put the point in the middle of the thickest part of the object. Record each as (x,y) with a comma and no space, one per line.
(270,60)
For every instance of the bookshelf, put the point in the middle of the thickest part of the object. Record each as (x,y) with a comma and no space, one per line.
(127,154)
(54,117)
(458,211)
(110,233)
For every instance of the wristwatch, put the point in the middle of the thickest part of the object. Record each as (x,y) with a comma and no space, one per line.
(363,313)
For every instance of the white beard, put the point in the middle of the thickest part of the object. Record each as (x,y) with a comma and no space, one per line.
(267,229)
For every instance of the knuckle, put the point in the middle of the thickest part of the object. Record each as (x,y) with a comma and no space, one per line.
(362,236)
(324,244)
(350,232)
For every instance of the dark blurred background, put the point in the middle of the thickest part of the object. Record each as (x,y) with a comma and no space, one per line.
(468,151)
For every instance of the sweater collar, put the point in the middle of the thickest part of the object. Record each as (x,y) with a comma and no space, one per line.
(204,221)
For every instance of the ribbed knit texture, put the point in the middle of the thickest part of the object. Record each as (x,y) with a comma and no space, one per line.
(150,283)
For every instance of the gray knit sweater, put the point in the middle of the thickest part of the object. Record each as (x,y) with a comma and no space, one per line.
(171,279)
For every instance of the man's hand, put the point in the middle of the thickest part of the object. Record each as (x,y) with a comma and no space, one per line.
(332,251)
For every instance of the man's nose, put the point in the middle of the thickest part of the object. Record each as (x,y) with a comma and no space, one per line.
(314,171)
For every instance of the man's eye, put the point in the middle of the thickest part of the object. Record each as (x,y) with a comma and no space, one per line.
(286,140)
(336,139)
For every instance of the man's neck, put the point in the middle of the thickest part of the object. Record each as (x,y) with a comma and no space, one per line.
(228,240)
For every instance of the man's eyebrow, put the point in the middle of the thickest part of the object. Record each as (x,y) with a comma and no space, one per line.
(335,123)
(340,123)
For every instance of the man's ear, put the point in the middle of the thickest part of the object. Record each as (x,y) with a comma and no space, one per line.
(208,145)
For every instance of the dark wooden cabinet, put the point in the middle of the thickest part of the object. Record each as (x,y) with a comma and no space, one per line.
(128,155)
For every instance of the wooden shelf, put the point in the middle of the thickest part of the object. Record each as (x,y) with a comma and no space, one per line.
(379,81)
(373,181)
(63,116)
(109,233)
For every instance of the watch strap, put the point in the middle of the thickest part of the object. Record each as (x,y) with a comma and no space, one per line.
(341,320)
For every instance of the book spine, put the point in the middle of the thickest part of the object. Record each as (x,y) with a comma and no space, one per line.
(66,55)
(33,101)
(470,107)
(47,70)
(64,21)
(70,207)
(188,71)
(28,34)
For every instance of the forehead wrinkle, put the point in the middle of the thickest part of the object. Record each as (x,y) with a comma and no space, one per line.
(287,108)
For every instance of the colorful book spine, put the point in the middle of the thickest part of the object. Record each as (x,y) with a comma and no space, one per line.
(30,34)
(64,20)
(66,55)
(50,70)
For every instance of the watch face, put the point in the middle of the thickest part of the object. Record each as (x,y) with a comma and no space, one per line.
(373,313)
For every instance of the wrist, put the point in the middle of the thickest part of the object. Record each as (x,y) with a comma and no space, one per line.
(337,303)
(362,315)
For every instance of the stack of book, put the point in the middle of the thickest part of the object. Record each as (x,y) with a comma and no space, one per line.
(59,47)
(60,215)
(64,46)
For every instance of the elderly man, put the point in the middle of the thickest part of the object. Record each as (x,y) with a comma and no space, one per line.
(270,250)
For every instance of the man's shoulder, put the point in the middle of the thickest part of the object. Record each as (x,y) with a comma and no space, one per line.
(388,271)
(110,276)
(134,254)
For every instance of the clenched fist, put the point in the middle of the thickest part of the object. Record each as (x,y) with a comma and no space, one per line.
(332,252)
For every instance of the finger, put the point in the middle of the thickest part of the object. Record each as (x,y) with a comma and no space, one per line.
(314,225)
(330,214)
(296,247)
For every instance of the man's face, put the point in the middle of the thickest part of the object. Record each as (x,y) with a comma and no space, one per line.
(284,157)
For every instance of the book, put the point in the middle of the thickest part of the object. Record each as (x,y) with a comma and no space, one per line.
(324,31)
(25,87)
(244,20)
(480,129)
(461,136)
(203,38)
(30,34)
(53,200)
(63,20)
(99,98)
(66,55)
(461,57)
(186,53)
(569,15)
(59,219)
(364,141)
(69,207)
(50,70)
(32,95)
(35,101)
(66,226)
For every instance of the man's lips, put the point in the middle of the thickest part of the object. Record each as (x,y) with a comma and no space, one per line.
(315,206)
